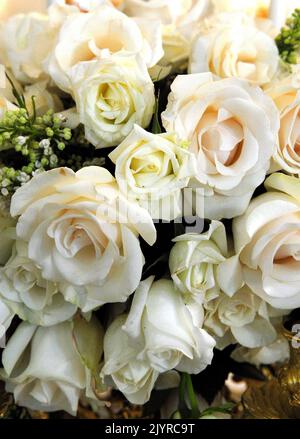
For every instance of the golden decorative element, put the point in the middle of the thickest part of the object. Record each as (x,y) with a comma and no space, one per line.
(279,398)
(289,376)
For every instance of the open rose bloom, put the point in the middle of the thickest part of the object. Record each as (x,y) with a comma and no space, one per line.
(149,203)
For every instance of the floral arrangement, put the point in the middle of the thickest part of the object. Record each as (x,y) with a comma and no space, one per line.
(150,198)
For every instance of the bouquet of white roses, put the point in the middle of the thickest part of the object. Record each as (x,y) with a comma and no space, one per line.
(149,196)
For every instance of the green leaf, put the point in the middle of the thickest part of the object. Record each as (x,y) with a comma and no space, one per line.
(88,340)
(19,96)
(156,127)
(226,409)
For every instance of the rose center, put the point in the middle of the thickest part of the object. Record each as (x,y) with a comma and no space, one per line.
(221,141)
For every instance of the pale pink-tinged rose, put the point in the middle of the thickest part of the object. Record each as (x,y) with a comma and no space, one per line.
(286,96)
(267,239)
(234,46)
(232,128)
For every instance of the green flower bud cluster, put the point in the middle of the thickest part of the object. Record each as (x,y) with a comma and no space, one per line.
(288,41)
(36,143)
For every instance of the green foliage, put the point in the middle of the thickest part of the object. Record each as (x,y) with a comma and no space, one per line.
(288,41)
(28,144)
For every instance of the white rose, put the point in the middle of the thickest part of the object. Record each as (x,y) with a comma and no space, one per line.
(267,240)
(242,318)
(44,370)
(31,297)
(276,352)
(235,49)
(180,20)
(26,42)
(83,233)
(111,96)
(153,169)
(99,34)
(131,375)
(286,96)
(168,332)
(232,127)
(177,12)
(200,265)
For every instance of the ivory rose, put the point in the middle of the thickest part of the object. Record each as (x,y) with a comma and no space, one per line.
(111,96)
(235,49)
(83,234)
(131,375)
(31,297)
(242,318)
(43,368)
(180,21)
(159,334)
(26,41)
(267,238)
(286,96)
(276,352)
(97,35)
(178,12)
(153,169)
(232,127)
(168,332)
(200,265)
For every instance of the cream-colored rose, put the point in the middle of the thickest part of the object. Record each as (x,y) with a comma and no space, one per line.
(286,96)
(99,34)
(176,12)
(153,169)
(267,238)
(276,352)
(242,318)
(83,234)
(125,370)
(232,127)
(235,49)
(26,41)
(43,368)
(200,265)
(44,98)
(28,295)
(168,332)
(180,20)
(111,96)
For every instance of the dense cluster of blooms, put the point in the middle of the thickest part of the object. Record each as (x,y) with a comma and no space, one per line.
(93,154)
